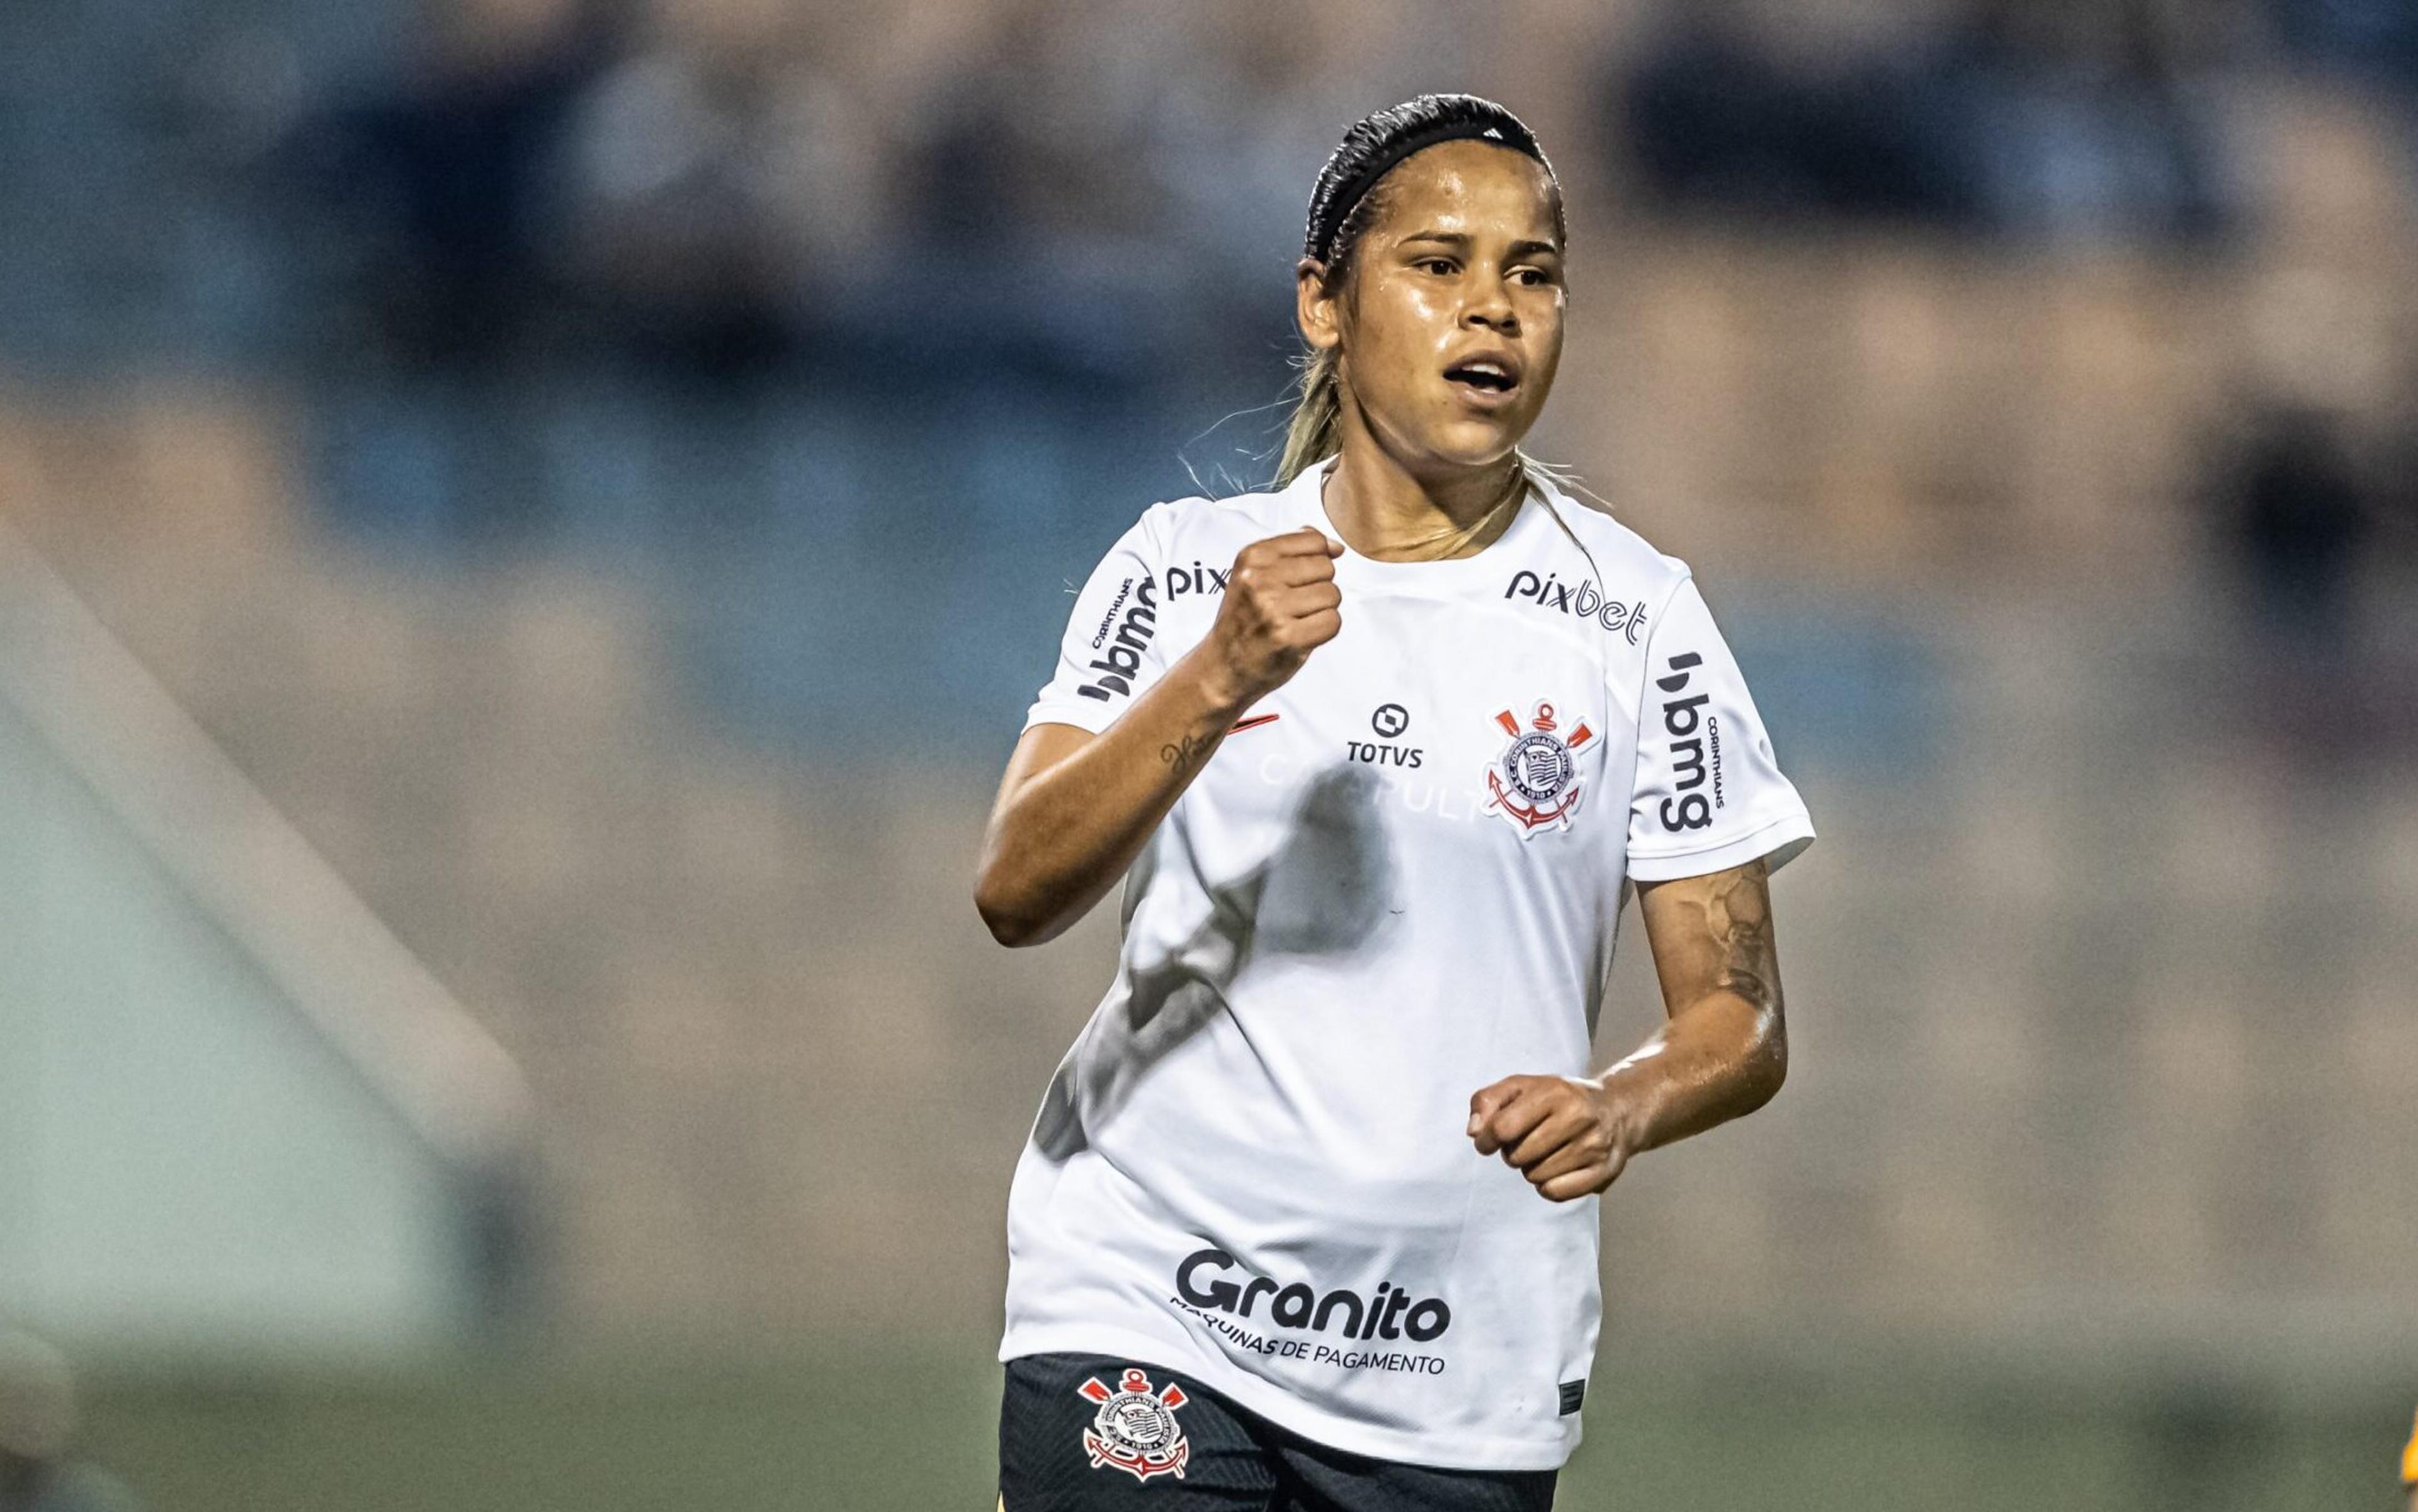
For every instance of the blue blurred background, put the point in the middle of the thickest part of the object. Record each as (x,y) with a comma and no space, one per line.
(527,528)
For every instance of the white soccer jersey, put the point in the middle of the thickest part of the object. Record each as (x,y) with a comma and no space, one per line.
(1395,883)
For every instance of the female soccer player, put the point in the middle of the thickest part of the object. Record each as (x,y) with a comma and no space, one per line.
(1377,754)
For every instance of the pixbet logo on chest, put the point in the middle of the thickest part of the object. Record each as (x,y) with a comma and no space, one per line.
(1582,600)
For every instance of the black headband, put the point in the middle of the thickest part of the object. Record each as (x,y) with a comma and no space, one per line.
(1327,219)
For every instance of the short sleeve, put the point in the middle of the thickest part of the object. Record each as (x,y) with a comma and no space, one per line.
(1110,651)
(1709,794)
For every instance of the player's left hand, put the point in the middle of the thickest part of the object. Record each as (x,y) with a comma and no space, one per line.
(1566,1134)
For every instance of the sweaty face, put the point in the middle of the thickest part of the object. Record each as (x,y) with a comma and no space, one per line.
(1451,321)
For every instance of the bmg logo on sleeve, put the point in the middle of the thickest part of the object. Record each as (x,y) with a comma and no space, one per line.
(1688,727)
(1120,660)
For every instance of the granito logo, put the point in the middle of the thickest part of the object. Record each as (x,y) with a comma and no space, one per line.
(1682,719)
(1121,661)
(1389,1313)
(1585,600)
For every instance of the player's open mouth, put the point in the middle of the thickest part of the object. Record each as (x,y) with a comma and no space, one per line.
(1485,381)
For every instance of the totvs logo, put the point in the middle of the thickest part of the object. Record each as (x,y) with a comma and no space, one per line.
(1389,720)
(1389,1313)
(1683,719)
(1120,660)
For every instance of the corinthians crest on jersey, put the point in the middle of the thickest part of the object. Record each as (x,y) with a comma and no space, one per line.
(1135,1429)
(1534,783)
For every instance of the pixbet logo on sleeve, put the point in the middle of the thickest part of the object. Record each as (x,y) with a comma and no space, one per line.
(1201,578)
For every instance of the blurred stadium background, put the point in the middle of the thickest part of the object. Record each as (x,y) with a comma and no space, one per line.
(527,528)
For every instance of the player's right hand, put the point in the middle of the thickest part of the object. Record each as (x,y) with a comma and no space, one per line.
(1281,604)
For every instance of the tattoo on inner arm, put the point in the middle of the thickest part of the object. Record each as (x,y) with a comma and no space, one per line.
(1738,912)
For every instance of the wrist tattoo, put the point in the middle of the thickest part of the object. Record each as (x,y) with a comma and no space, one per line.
(1183,752)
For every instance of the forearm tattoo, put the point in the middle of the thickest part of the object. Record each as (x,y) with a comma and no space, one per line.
(1736,908)
(1739,912)
(1181,753)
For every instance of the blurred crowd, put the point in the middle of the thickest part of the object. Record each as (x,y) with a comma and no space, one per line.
(2013,118)
(719,185)
(724,181)
(1066,193)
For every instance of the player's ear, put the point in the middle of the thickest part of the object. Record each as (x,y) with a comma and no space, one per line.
(1314,305)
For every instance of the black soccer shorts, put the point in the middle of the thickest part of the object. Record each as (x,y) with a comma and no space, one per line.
(1095,1433)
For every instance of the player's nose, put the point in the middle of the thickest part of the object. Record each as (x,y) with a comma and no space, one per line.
(1490,308)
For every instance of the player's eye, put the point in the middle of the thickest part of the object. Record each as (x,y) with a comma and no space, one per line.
(1441,266)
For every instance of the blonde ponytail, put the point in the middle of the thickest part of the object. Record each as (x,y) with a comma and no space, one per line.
(1314,433)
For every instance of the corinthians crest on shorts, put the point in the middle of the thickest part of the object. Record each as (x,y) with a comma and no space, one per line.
(1135,1429)
(1534,781)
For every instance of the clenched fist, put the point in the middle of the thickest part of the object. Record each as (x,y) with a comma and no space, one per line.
(1568,1135)
(1281,604)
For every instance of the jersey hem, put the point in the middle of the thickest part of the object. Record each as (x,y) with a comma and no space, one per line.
(1289,1412)
(1790,834)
